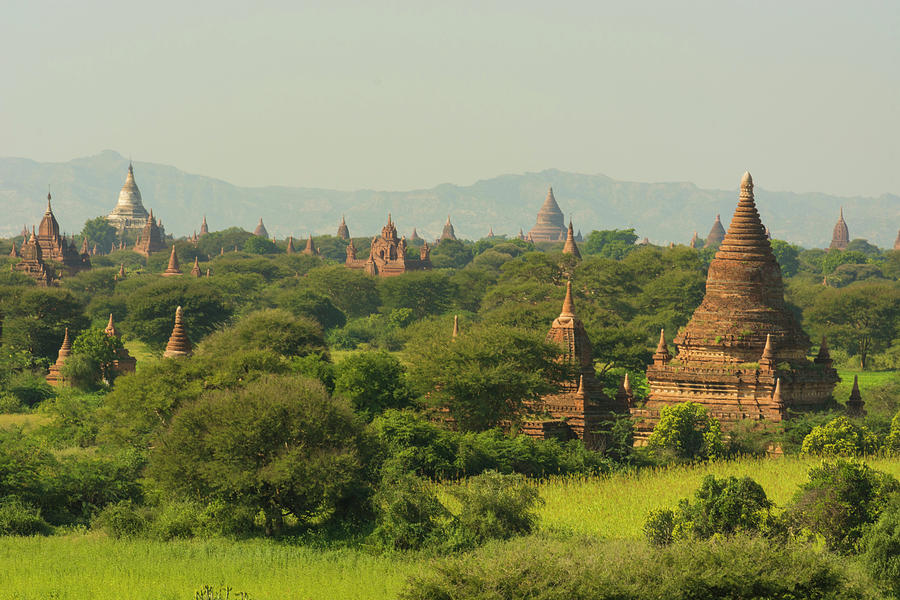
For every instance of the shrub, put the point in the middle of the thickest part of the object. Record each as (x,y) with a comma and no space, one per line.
(721,507)
(409,515)
(839,437)
(687,432)
(493,507)
(18,518)
(372,381)
(839,501)
(892,441)
(881,548)
(121,519)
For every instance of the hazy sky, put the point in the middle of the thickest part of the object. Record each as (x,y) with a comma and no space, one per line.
(400,95)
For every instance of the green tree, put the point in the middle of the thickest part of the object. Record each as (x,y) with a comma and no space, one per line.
(423,292)
(840,437)
(487,375)
(687,432)
(352,291)
(279,445)
(373,381)
(862,318)
(451,254)
(35,319)
(304,302)
(881,549)
(92,359)
(613,243)
(271,329)
(98,231)
(787,256)
(258,245)
(835,258)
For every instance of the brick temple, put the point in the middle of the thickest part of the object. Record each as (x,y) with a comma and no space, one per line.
(550,225)
(389,255)
(840,237)
(741,341)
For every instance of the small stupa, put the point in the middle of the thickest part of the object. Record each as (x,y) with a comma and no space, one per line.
(855,405)
(195,271)
(310,247)
(716,234)
(448,233)
(260,230)
(54,378)
(204,228)
(174,268)
(343,231)
(571,247)
(179,344)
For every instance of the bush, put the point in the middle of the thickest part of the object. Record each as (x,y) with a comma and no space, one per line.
(409,515)
(493,507)
(721,507)
(839,501)
(839,437)
(892,441)
(121,519)
(881,548)
(18,518)
(589,569)
(687,432)
(372,381)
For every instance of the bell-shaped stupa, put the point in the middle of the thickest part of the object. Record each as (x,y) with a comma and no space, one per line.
(129,212)
(550,226)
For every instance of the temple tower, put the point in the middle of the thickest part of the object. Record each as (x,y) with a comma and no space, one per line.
(32,263)
(716,234)
(310,247)
(195,270)
(58,248)
(204,228)
(571,247)
(129,212)
(389,255)
(290,245)
(897,241)
(840,237)
(739,338)
(550,225)
(448,233)
(124,362)
(343,231)
(150,239)
(260,230)
(174,267)
(54,377)
(179,344)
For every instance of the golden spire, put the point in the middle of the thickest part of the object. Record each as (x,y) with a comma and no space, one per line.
(568,307)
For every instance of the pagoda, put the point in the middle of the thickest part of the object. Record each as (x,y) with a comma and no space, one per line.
(129,212)
(195,270)
(204,228)
(150,239)
(716,234)
(310,247)
(551,225)
(740,340)
(174,268)
(840,237)
(124,362)
(290,245)
(571,247)
(58,248)
(260,230)
(32,263)
(179,344)
(580,408)
(54,377)
(343,231)
(448,233)
(389,255)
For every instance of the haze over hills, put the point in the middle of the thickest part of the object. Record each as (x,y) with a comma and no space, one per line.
(84,188)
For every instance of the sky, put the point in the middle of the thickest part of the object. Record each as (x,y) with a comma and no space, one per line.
(406,95)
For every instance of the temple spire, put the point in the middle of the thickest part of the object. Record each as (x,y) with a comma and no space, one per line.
(174,267)
(777,399)
(570,246)
(179,344)
(568,307)
(661,356)
(111,330)
(195,271)
(855,405)
(767,360)
(455,333)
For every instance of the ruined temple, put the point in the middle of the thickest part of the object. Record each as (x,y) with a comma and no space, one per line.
(260,230)
(343,231)
(179,344)
(448,233)
(129,212)
(580,409)
(150,239)
(840,237)
(58,248)
(742,339)
(32,262)
(570,246)
(550,225)
(389,255)
(716,234)
(204,228)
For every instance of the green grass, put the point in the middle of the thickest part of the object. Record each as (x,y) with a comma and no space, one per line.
(141,351)
(93,566)
(868,380)
(26,421)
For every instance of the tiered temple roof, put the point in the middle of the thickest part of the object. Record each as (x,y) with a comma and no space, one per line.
(343,231)
(740,336)
(260,230)
(32,263)
(716,234)
(195,270)
(150,240)
(310,247)
(54,377)
(124,362)
(204,228)
(840,237)
(179,344)
(58,248)
(448,233)
(550,225)
(571,247)
(129,212)
(389,255)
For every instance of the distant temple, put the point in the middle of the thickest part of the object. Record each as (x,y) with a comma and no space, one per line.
(716,234)
(204,228)
(570,246)
(179,344)
(448,233)
(310,247)
(388,255)
(840,237)
(551,225)
(742,343)
(150,239)
(260,230)
(129,212)
(415,236)
(124,362)
(57,248)
(174,267)
(343,231)
(54,377)
(580,409)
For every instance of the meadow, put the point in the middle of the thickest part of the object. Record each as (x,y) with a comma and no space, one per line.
(82,566)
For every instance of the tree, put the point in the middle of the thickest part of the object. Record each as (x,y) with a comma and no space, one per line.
(268,329)
(487,375)
(861,318)
(451,254)
(687,432)
(613,243)
(98,231)
(839,501)
(35,319)
(304,302)
(92,359)
(787,256)
(840,437)
(881,549)
(423,292)
(258,245)
(279,445)
(373,381)
(352,291)
(835,258)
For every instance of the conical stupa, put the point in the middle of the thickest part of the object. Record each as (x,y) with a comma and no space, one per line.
(195,270)
(716,234)
(840,236)
(343,231)
(448,233)
(174,267)
(54,377)
(570,246)
(550,225)
(179,344)
(260,230)
(129,212)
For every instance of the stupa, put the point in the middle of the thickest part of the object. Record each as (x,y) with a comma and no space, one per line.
(550,225)
(571,247)
(716,234)
(129,212)
(389,255)
(740,339)
(195,270)
(150,239)
(204,228)
(580,408)
(54,377)
(897,241)
(448,233)
(179,344)
(174,267)
(290,245)
(840,237)
(310,247)
(124,362)
(260,230)
(343,231)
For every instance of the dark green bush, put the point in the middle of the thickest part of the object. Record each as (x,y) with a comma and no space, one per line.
(373,381)
(122,519)
(19,518)
(409,515)
(881,548)
(686,432)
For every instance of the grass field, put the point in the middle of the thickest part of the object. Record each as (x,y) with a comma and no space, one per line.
(27,421)
(867,381)
(92,566)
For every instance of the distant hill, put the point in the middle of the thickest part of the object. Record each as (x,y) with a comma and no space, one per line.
(84,188)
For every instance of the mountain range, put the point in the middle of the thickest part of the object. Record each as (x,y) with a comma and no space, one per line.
(84,188)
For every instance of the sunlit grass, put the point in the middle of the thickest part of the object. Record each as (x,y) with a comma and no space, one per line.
(867,380)
(27,421)
(141,351)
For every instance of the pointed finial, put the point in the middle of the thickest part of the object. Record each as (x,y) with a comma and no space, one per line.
(580,391)
(777,398)
(568,308)
(626,385)
(111,327)
(747,180)
(855,405)
(455,326)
